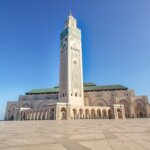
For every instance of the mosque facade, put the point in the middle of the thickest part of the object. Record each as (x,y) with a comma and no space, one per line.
(73,99)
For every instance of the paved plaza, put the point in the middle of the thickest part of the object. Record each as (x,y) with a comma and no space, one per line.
(128,134)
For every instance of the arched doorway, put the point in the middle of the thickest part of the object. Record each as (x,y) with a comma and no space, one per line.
(11,117)
(119,113)
(141,115)
(104,114)
(93,114)
(126,107)
(44,115)
(110,114)
(52,113)
(140,112)
(87,114)
(74,114)
(12,112)
(81,113)
(98,113)
(63,114)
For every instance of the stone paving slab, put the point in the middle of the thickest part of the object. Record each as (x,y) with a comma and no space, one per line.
(127,134)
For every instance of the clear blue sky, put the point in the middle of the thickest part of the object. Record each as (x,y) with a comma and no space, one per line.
(115,36)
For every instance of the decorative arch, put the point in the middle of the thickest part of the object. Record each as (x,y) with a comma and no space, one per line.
(87,113)
(11,112)
(99,113)
(74,113)
(43,104)
(12,106)
(139,106)
(104,112)
(126,107)
(81,113)
(139,101)
(26,105)
(119,112)
(63,113)
(100,102)
(93,114)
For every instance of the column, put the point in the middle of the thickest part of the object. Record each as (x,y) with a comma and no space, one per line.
(68,112)
(123,112)
(57,112)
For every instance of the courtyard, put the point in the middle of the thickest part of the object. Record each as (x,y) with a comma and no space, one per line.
(98,134)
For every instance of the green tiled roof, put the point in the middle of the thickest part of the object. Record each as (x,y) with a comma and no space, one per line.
(43,91)
(104,88)
(87,87)
(89,84)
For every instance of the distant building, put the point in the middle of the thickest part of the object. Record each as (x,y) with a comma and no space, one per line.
(72,99)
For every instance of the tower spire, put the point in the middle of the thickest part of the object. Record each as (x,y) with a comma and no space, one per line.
(70,13)
(71,21)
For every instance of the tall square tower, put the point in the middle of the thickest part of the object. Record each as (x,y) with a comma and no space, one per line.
(71,74)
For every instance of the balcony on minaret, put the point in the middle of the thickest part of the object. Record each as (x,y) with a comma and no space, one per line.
(70,22)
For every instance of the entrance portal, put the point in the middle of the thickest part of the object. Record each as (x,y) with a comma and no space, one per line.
(63,114)
(119,114)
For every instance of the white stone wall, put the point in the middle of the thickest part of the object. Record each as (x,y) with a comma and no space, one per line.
(135,106)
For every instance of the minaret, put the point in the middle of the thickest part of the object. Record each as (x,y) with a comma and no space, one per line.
(71,75)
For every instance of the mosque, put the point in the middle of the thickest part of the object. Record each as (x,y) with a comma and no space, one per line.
(73,99)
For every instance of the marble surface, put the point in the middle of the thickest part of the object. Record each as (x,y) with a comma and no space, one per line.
(127,134)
